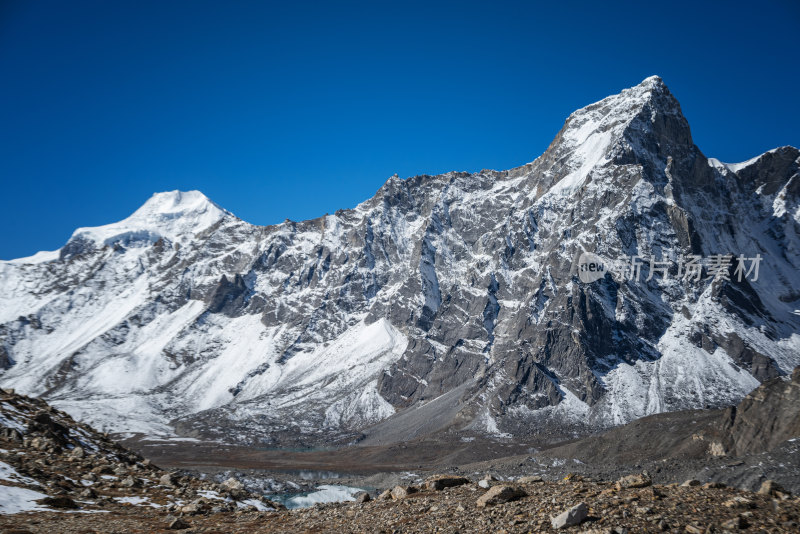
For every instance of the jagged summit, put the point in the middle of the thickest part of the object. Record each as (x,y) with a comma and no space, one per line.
(640,125)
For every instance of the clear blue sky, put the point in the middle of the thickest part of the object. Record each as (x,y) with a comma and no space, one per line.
(295,109)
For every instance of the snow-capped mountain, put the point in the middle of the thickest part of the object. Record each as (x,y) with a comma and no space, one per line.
(450,301)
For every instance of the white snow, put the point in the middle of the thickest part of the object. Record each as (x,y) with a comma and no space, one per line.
(260,506)
(40,257)
(10,474)
(176,215)
(14,500)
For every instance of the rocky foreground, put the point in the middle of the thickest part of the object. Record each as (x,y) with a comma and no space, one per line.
(57,475)
(572,505)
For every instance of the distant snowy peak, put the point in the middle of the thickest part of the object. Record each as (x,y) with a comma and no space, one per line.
(174,215)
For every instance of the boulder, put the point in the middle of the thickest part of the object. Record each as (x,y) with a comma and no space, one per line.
(439,482)
(574,516)
(770,487)
(401,492)
(88,493)
(232,484)
(168,479)
(499,494)
(635,481)
(176,523)
(61,502)
(130,482)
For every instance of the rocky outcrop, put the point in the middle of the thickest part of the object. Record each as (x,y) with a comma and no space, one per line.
(767,417)
(66,465)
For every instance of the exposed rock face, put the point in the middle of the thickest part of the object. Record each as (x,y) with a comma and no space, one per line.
(454,296)
(765,418)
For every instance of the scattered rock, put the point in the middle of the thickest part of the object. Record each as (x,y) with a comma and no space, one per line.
(121,470)
(439,482)
(401,492)
(192,508)
(130,482)
(232,484)
(499,494)
(736,523)
(169,479)
(770,487)
(739,502)
(529,480)
(176,523)
(88,493)
(635,481)
(574,516)
(690,483)
(61,502)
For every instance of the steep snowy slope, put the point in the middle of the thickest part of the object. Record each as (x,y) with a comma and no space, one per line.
(183,316)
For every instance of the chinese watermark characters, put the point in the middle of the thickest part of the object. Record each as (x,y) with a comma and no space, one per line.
(692,267)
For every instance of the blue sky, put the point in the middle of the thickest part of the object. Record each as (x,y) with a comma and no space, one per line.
(295,109)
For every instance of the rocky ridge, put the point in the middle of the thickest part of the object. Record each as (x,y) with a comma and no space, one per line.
(48,461)
(442,302)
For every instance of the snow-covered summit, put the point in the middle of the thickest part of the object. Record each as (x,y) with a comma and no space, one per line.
(645,114)
(175,215)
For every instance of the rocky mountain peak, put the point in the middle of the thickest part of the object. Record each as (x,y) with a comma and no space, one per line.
(642,125)
(174,215)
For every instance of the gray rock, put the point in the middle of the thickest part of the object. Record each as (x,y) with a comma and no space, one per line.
(574,516)
(232,484)
(168,479)
(176,523)
(401,492)
(439,482)
(130,482)
(635,481)
(770,487)
(499,494)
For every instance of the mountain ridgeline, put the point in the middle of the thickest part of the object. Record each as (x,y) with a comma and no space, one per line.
(442,303)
